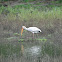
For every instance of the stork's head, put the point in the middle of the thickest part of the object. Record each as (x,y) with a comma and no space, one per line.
(23,27)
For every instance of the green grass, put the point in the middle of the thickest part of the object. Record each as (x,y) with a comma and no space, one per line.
(56,2)
(26,12)
(32,1)
(42,39)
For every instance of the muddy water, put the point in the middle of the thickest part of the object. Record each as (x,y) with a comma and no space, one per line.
(29,51)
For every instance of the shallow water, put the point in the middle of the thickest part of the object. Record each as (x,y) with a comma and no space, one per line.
(30,51)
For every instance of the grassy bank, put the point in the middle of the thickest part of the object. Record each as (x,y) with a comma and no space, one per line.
(42,16)
(27,12)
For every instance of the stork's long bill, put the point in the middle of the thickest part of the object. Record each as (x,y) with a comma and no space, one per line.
(21,31)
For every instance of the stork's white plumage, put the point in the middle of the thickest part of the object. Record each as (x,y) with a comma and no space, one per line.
(31,29)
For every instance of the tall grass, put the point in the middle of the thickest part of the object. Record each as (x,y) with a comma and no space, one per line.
(31,13)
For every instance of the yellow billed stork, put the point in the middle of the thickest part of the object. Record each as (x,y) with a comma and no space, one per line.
(31,29)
